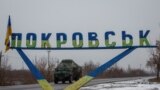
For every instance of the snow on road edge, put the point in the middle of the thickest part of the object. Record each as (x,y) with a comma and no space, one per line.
(140,84)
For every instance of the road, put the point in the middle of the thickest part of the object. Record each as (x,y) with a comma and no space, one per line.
(62,86)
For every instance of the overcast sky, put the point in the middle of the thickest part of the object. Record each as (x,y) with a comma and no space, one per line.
(69,16)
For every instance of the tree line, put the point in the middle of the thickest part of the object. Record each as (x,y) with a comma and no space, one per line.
(24,76)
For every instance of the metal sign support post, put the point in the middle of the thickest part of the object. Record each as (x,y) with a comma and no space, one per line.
(36,73)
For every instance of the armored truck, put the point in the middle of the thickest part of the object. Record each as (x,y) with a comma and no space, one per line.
(67,70)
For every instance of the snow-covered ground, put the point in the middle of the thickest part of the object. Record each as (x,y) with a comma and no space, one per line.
(140,84)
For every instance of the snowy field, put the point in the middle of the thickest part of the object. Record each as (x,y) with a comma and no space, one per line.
(140,84)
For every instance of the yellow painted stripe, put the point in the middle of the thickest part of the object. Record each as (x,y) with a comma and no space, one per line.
(81,82)
(45,85)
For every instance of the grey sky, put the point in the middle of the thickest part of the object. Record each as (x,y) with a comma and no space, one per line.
(82,16)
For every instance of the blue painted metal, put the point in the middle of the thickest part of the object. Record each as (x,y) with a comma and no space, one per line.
(31,67)
(83,48)
(105,66)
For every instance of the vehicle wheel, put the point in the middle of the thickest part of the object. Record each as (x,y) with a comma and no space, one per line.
(55,81)
(70,79)
(63,81)
(77,78)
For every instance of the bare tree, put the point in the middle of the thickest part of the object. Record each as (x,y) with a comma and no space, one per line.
(51,71)
(89,66)
(5,69)
(46,71)
(42,65)
(154,61)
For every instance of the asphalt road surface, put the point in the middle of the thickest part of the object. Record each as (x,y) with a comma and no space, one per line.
(61,86)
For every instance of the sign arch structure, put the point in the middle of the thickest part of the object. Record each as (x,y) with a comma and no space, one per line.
(82,81)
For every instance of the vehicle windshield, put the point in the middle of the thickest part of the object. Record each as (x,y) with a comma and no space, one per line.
(65,65)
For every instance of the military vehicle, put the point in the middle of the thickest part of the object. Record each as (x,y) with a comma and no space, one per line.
(67,70)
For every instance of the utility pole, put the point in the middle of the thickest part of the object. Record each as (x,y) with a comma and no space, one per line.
(49,66)
(1,80)
(48,57)
(0,59)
